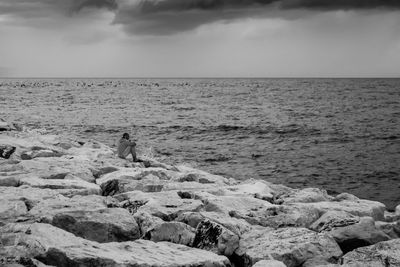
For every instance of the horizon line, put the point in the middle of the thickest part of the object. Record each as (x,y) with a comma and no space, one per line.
(218,77)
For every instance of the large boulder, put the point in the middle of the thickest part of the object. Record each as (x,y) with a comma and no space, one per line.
(12,211)
(229,204)
(392,229)
(10,180)
(258,189)
(22,262)
(357,207)
(46,209)
(10,173)
(292,246)
(101,225)
(25,140)
(383,254)
(349,231)
(152,163)
(30,196)
(6,126)
(255,211)
(125,184)
(190,218)
(40,153)
(269,263)
(306,195)
(58,168)
(187,186)
(175,232)
(391,216)
(57,247)
(277,216)
(321,262)
(146,222)
(237,226)
(132,179)
(165,205)
(31,145)
(189,174)
(67,187)
(99,172)
(333,219)
(363,233)
(93,151)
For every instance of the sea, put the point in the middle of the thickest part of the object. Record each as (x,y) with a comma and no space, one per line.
(342,135)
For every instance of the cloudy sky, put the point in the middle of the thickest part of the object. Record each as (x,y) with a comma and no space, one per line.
(199,38)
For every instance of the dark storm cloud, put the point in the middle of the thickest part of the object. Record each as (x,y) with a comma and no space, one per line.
(47,8)
(171,16)
(77,5)
(155,6)
(340,4)
(163,17)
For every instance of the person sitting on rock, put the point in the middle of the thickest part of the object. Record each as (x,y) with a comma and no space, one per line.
(126,147)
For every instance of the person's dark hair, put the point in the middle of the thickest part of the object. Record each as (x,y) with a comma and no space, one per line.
(125,135)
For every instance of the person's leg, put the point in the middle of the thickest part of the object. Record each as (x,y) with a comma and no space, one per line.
(125,153)
(133,153)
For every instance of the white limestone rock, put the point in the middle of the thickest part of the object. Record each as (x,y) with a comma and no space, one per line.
(307,195)
(333,219)
(362,233)
(42,241)
(165,205)
(359,207)
(100,225)
(292,246)
(77,185)
(382,254)
(269,263)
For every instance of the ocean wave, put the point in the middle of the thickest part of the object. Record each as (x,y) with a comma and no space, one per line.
(218,158)
(285,130)
(268,129)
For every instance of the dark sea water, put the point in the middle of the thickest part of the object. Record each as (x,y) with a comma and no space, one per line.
(339,134)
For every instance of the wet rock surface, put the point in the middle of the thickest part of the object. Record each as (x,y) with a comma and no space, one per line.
(65,203)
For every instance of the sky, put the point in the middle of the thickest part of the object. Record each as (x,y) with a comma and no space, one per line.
(199,38)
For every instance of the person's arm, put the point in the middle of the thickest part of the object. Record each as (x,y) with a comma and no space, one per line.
(131,143)
(127,142)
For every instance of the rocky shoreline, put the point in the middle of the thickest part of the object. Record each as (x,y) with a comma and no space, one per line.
(70,203)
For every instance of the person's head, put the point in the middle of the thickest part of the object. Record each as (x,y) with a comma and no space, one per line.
(125,136)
